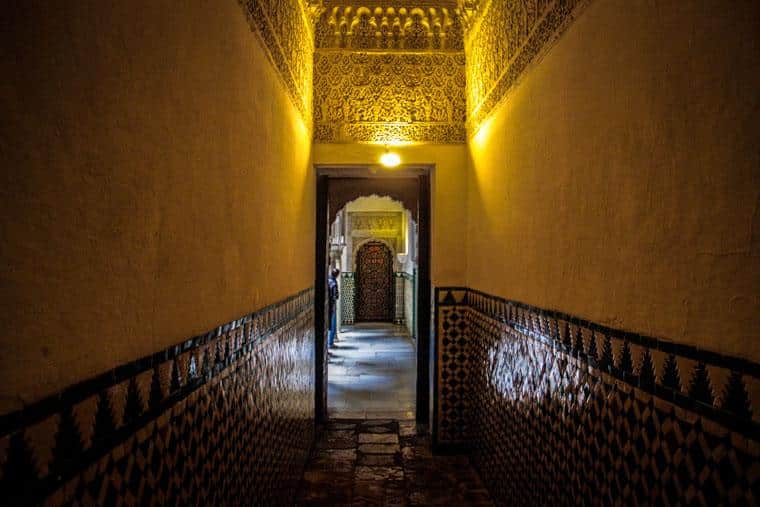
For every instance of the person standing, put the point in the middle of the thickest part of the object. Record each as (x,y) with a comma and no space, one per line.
(332,301)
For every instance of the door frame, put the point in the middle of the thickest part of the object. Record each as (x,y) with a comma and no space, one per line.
(425,367)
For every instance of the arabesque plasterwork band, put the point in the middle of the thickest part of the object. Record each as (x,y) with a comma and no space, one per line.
(286,31)
(394,71)
(504,37)
(389,72)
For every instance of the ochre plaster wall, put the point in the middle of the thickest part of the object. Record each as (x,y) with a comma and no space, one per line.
(448,196)
(156,183)
(620,181)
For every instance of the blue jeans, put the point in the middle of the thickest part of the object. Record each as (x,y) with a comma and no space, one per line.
(333,329)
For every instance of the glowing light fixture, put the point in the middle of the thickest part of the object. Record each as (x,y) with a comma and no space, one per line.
(390,159)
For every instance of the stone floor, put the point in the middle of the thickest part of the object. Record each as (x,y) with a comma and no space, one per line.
(371,373)
(385,463)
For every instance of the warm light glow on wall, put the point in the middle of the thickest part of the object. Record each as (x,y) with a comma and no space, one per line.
(399,142)
(390,159)
(482,133)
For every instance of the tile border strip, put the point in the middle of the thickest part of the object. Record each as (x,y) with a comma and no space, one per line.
(544,324)
(273,315)
(227,344)
(547,31)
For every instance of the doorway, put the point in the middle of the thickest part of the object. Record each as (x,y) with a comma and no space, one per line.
(374,283)
(381,353)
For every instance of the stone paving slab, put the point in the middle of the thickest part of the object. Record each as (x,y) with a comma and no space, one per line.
(379,448)
(371,373)
(378,438)
(378,460)
(377,429)
(389,463)
(341,439)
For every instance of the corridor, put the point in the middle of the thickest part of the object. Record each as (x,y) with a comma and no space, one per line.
(552,206)
(385,462)
(371,373)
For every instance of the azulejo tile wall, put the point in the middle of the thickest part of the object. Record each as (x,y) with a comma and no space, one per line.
(386,74)
(557,410)
(347,296)
(226,418)
(398,316)
(410,302)
(503,38)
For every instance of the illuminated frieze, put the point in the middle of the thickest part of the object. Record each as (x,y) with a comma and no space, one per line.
(504,37)
(386,98)
(286,31)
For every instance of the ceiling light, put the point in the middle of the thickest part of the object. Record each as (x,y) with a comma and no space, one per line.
(390,159)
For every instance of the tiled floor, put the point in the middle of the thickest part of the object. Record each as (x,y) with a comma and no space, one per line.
(385,463)
(372,373)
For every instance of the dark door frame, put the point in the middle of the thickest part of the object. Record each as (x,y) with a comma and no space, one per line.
(425,369)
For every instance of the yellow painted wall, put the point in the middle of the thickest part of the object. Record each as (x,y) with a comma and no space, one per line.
(620,181)
(448,196)
(156,183)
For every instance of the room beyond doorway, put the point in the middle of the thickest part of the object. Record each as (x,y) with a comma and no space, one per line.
(344,225)
(371,364)
(371,373)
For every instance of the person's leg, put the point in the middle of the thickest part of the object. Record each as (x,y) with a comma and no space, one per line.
(331,332)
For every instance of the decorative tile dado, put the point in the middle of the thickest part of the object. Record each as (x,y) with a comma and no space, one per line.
(382,97)
(593,414)
(504,37)
(452,374)
(400,26)
(220,419)
(286,30)
(347,297)
(410,303)
(400,282)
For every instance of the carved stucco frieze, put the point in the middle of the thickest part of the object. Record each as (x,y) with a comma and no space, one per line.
(389,71)
(469,12)
(286,31)
(376,222)
(504,38)
(389,97)
(394,71)
(401,26)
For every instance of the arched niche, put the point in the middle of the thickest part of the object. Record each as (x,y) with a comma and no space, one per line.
(357,222)
(341,191)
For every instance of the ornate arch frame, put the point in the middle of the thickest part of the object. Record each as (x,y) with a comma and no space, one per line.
(337,185)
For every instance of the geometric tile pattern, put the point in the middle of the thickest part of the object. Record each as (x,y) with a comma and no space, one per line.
(410,302)
(398,317)
(348,288)
(583,410)
(222,419)
(453,375)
